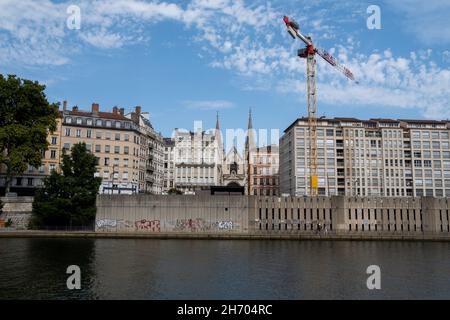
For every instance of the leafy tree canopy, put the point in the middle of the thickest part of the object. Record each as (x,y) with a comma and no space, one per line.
(25,119)
(68,197)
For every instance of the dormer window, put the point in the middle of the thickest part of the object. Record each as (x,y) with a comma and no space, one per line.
(68,120)
(98,123)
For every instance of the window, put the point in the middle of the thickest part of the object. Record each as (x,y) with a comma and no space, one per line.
(52,167)
(89,133)
(126,150)
(67,132)
(66,146)
(127,137)
(108,136)
(54,140)
(98,148)
(78,120)
(108,123)
(89,122)
(99,135)
(53,154)
(18,181)
(30,182)
(117,124)
(78,133)
(98,122)
(117,149)
(68,120)
(106,162)
(107,148)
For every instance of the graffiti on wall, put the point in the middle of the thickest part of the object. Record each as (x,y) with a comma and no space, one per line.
(148,225)
(195,225)
(191,225)
(104,223)
(225,225)
(113,223)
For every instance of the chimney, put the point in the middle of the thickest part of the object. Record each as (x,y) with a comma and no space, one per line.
(75,108)
(95,108)
(122,111)
(116,110)
(65,105)
(138,110)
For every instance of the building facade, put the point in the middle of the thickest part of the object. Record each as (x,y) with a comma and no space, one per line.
(151,153)
(234,169)
(262,166)
(198,158)
(169,165)
(129,151)
(376,157)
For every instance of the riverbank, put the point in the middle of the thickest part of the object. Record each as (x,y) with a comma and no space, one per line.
(368,236)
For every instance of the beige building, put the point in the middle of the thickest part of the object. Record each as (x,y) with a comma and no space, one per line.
(114,139)
(169,165)
(377,157)
(130,152)
(262,166)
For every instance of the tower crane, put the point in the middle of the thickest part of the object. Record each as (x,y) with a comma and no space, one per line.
(309,53)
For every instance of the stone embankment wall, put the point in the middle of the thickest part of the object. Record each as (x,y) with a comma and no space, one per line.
(259,215)
(17,210)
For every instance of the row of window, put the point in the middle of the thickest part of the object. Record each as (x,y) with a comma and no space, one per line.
(98,122)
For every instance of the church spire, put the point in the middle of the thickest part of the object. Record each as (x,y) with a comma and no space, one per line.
(217,121)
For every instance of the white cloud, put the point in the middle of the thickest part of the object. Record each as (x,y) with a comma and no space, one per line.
(248,39)
(208,105)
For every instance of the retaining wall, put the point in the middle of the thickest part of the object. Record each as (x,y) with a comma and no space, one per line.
(257,215)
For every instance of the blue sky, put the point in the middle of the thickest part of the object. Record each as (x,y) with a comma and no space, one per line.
(184,60)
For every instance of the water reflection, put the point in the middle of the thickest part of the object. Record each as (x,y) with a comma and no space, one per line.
(192,269)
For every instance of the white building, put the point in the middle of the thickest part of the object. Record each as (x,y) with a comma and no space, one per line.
(377,157)
(169,165)
(198,158)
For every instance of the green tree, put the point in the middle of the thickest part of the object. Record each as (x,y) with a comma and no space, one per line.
(68,197)
(26,117)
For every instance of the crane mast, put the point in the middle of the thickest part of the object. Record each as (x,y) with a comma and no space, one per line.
(309,53)
(312,123)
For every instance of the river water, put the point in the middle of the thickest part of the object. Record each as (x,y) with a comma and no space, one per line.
(215,269)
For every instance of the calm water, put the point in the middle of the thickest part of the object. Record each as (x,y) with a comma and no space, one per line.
(185,269)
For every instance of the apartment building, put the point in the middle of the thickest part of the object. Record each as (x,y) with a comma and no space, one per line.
(262,166)
(169,165)
(150,153)
(198,158)
(376,157)
(114,139)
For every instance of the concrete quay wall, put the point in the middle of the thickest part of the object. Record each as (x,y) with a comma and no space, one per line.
(16,210)
(147,213)
(252,215)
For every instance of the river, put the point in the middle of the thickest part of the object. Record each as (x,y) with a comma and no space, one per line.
(228,269)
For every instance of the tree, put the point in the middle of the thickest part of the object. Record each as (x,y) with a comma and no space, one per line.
(68,197)
(26,117)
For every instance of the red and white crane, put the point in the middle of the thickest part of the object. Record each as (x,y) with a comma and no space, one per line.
(309,53)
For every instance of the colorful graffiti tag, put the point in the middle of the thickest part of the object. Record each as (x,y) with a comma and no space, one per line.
(147,225)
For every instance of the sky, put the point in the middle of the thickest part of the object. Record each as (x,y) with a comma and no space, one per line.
(183,61)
